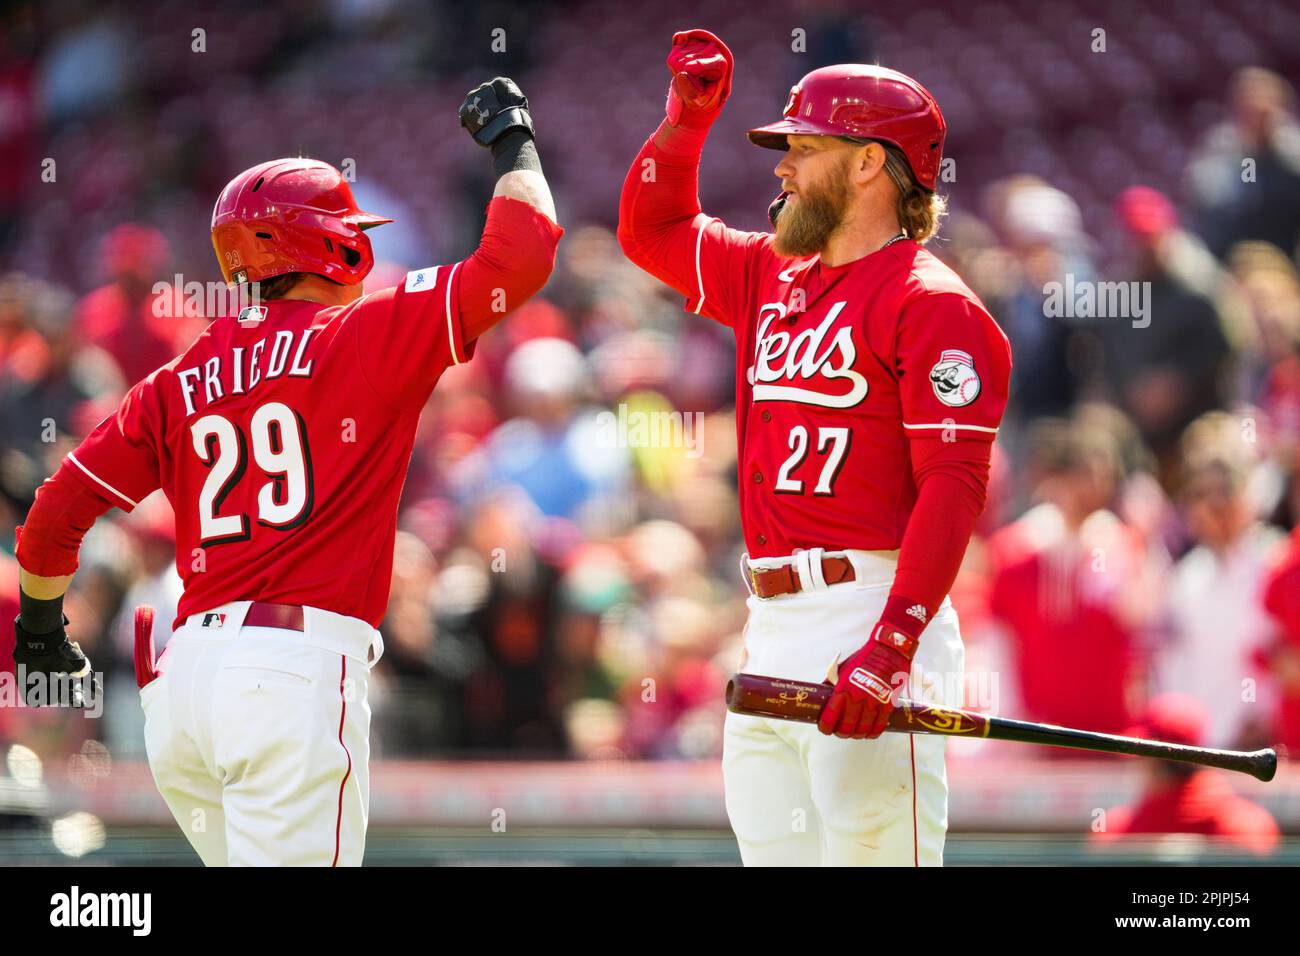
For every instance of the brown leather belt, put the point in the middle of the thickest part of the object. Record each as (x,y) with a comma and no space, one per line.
(288,617)
(771,582)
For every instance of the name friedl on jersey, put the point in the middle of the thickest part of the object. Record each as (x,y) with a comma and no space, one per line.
(243,373)
(780,357)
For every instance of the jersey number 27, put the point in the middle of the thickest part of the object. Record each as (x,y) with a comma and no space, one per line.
(837,438)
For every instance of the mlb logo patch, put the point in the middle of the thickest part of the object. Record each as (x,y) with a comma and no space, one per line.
(422,280)
(250,315)
(213,619)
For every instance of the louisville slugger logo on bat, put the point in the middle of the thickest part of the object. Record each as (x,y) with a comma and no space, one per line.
(941,720)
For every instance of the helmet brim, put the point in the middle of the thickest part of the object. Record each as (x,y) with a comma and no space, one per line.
(773,135)
(365,220)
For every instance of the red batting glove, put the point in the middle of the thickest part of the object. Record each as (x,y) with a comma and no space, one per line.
(701,66)
(864,693)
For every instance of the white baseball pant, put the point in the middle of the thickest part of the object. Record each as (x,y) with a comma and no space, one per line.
(796,797)
(259,737)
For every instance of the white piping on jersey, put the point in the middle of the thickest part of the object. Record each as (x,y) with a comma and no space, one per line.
(451,335)
(972,428)
(94,477)
(699,276)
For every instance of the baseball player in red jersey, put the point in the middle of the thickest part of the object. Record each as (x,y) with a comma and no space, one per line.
(282,437)
(870,383)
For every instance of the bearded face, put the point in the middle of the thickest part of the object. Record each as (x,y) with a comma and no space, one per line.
(814,212)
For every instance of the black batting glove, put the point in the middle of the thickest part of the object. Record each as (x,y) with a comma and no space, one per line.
(491,110)
(54,656)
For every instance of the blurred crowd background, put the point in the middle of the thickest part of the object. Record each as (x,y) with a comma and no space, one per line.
(558,595)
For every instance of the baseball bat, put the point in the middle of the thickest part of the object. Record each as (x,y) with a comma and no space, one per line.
(799,701)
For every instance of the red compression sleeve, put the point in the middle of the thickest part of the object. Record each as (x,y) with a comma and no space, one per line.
(950,498)
(659,202)
(65,508)
(512,263)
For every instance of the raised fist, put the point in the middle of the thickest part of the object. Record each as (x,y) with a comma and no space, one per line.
(54,656)
(701,66)
(493,109)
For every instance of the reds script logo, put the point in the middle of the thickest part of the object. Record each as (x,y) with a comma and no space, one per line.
(955,381)
(781,357)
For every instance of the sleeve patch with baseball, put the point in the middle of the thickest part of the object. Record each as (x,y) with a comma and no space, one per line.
(954,367)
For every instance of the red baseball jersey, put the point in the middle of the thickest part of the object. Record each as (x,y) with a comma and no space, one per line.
(282,437)
(1203,803)
(841,374)
(1077,656)
(1282,602)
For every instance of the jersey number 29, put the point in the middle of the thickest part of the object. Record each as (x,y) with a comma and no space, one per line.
(280,450)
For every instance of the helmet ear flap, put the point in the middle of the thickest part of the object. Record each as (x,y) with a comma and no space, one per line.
(356,255)
(349,256)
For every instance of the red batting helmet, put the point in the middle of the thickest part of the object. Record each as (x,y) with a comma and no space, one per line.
(291,215)
(864,102)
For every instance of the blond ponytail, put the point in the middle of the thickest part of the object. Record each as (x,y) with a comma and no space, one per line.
(919,209)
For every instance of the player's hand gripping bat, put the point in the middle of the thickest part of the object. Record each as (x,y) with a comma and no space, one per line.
(796,700)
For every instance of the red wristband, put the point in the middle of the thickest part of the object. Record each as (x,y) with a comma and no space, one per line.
(681,142)
(906,615)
